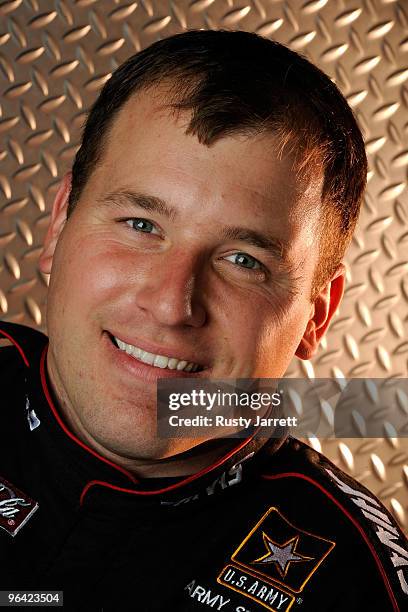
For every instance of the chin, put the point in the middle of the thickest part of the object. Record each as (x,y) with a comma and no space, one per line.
(146,447)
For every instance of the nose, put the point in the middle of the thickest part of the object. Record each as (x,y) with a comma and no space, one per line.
(169,290)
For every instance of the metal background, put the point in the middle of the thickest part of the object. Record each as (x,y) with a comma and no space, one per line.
(54,56)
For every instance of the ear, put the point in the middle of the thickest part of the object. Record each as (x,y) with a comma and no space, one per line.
(58,218)
(323,309)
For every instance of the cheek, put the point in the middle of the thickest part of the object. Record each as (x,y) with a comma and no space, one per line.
(89,273)
(247,325)
(280,342)
(256,313)
(265,340)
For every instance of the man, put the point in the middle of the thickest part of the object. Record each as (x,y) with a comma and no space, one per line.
(200,235)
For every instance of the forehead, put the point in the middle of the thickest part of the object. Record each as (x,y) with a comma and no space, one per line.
(147,147)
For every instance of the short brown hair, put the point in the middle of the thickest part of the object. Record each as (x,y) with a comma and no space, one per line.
(238,82)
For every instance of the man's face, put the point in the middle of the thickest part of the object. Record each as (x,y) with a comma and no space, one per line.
(195,253)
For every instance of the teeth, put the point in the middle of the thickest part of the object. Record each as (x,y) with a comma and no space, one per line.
(159,361)
(147,357)
(181,365)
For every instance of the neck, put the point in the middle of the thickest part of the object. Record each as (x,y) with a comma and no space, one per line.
(175,461)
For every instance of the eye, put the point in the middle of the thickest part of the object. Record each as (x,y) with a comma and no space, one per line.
(245,261)
(142,225)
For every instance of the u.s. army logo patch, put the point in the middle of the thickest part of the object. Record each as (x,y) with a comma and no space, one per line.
(274,562)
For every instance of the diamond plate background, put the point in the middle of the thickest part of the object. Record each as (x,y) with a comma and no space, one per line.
(55,56)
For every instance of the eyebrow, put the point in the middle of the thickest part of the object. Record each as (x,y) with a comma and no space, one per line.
(257,239)
(139,200)
(150,203)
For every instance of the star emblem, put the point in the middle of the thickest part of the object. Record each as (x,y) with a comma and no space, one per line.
(281,554)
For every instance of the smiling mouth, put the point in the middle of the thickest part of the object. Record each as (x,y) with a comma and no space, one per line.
(157,361)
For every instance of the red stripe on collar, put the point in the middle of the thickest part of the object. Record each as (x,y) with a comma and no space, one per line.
(64,427)
(18,347)
(181,483)
(185,481)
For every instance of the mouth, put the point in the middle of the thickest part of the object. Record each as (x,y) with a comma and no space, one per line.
(163,362)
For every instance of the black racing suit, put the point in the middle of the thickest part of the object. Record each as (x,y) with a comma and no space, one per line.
(273,525)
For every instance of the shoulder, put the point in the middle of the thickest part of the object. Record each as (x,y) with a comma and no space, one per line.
(325,497)
(304,467)
(13,360)
(23,341)
(20,348)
